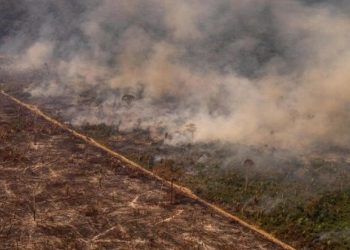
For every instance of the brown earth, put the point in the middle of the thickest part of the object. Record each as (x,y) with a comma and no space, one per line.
(58,192)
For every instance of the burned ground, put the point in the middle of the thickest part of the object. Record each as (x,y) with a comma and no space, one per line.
(57,192)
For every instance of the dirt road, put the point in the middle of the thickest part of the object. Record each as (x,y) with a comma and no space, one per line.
(58,192)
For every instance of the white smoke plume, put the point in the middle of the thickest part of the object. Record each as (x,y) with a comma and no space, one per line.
(253,72)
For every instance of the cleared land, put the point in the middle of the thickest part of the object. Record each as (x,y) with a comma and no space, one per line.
(57,192)
(303,199)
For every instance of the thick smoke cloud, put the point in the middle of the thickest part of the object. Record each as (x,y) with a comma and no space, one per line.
(254,72)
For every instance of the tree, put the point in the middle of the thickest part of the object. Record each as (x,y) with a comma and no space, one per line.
(248,164)
(191,128)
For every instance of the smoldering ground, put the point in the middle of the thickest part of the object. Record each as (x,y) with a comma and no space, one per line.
(255,72)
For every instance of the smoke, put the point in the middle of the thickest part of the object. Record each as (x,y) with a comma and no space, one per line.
(253,72)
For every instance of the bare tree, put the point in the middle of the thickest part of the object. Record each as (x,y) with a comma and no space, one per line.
(191,128)
(248,164)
